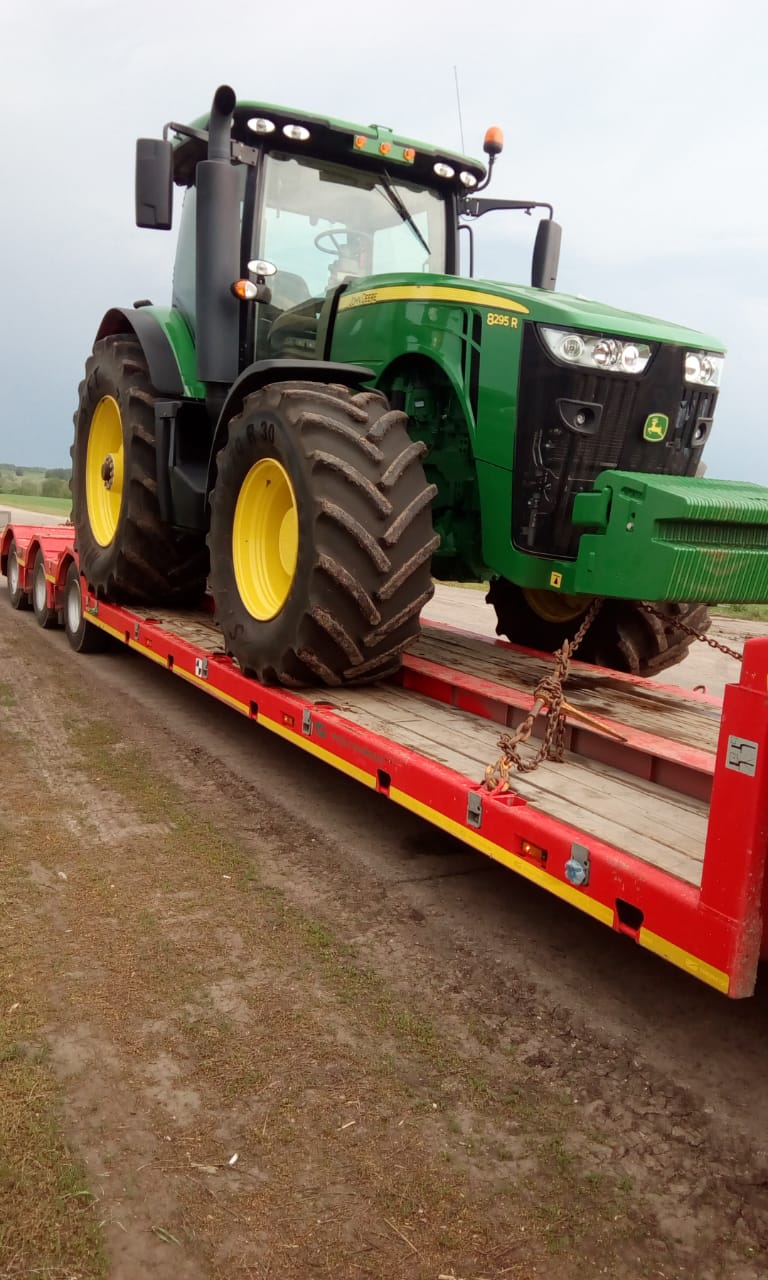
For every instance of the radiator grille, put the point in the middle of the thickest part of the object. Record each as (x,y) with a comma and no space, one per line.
(554,461)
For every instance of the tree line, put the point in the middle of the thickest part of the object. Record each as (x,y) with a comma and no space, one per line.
(31,482)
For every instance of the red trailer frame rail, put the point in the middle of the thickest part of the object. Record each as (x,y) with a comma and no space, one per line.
(560,827)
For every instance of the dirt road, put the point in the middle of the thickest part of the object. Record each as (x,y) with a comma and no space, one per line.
(424,1066)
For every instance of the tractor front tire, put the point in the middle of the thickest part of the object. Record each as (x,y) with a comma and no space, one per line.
(321,535)
(623,636)
(126,551)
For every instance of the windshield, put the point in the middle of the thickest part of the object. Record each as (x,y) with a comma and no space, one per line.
(325,223)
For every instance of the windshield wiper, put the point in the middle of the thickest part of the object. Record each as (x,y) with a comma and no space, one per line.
(399,207)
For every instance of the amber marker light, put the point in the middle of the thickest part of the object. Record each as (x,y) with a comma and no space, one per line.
(530,850)
(385,148)
(360,141)
(245,290)
(409,154)
(493,142)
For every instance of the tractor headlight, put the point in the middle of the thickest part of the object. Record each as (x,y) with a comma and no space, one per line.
(704,368)
(592,351)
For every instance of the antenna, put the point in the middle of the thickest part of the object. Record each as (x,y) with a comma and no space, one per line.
(458,107)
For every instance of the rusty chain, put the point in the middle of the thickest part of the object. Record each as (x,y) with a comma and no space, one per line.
(691,631)
(548,693)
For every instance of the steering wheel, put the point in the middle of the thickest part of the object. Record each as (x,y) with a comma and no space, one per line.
(333,236)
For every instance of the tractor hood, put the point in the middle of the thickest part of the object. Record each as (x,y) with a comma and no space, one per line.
(572,311)
(562,309)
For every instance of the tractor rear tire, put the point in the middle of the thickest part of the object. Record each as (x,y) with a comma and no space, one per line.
(321,536)
(623,637)
(126,551)
(19,599)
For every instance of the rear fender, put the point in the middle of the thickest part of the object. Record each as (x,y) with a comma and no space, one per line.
(167,345)
(262,373)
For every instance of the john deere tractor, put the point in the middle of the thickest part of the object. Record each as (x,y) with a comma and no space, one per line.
(329,415)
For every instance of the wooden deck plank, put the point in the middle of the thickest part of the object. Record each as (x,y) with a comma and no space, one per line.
(653,710)
(644,820)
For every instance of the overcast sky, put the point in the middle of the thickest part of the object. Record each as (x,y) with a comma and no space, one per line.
(644,124)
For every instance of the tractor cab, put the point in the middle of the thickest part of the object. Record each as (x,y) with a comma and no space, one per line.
(323,225)
(300,206)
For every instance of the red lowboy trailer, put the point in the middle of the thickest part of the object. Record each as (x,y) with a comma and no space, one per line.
(658,828)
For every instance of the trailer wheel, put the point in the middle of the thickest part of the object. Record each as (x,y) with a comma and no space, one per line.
(623,637)
(81,634)
(320,535)
(19,599)
(126,550)
(45,616)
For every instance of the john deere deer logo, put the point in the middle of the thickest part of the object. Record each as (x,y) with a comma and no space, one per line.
(656,427)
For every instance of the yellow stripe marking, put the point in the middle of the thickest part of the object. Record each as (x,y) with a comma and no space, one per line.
(684,960)
(561,889)
(274,726)
(429,293)
(322,753)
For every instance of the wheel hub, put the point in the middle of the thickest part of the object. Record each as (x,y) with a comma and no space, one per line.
(265,539)
(104,470)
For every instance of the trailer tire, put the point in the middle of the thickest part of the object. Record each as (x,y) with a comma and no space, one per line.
(19,599)
(81,634)
(623,637)
(126,550)
(320,535)
(46,617)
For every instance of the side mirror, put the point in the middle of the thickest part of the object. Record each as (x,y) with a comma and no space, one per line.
(546,254)
(154,184)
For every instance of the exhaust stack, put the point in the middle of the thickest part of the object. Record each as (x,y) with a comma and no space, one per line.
(218,248)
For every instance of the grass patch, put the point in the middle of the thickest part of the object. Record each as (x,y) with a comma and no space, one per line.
(750,612)
(45,506)
(47,1225)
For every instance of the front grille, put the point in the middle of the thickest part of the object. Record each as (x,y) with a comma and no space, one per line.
(555,459)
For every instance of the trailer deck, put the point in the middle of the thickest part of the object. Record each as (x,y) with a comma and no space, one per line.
(642,817)
(657,829)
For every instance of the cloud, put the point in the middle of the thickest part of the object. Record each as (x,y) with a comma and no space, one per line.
(644,126)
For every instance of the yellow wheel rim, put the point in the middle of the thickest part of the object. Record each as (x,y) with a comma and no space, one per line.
(104,470)
(554,607)
(265,539)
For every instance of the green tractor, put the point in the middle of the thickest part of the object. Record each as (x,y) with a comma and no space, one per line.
(328,416)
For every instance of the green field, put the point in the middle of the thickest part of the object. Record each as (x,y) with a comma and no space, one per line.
(751,612)
(46,506)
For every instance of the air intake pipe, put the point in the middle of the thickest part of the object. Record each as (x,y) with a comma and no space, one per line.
(217,248)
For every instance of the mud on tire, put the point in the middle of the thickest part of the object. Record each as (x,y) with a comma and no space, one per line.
(145,559)
(365,537)
(623,637)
